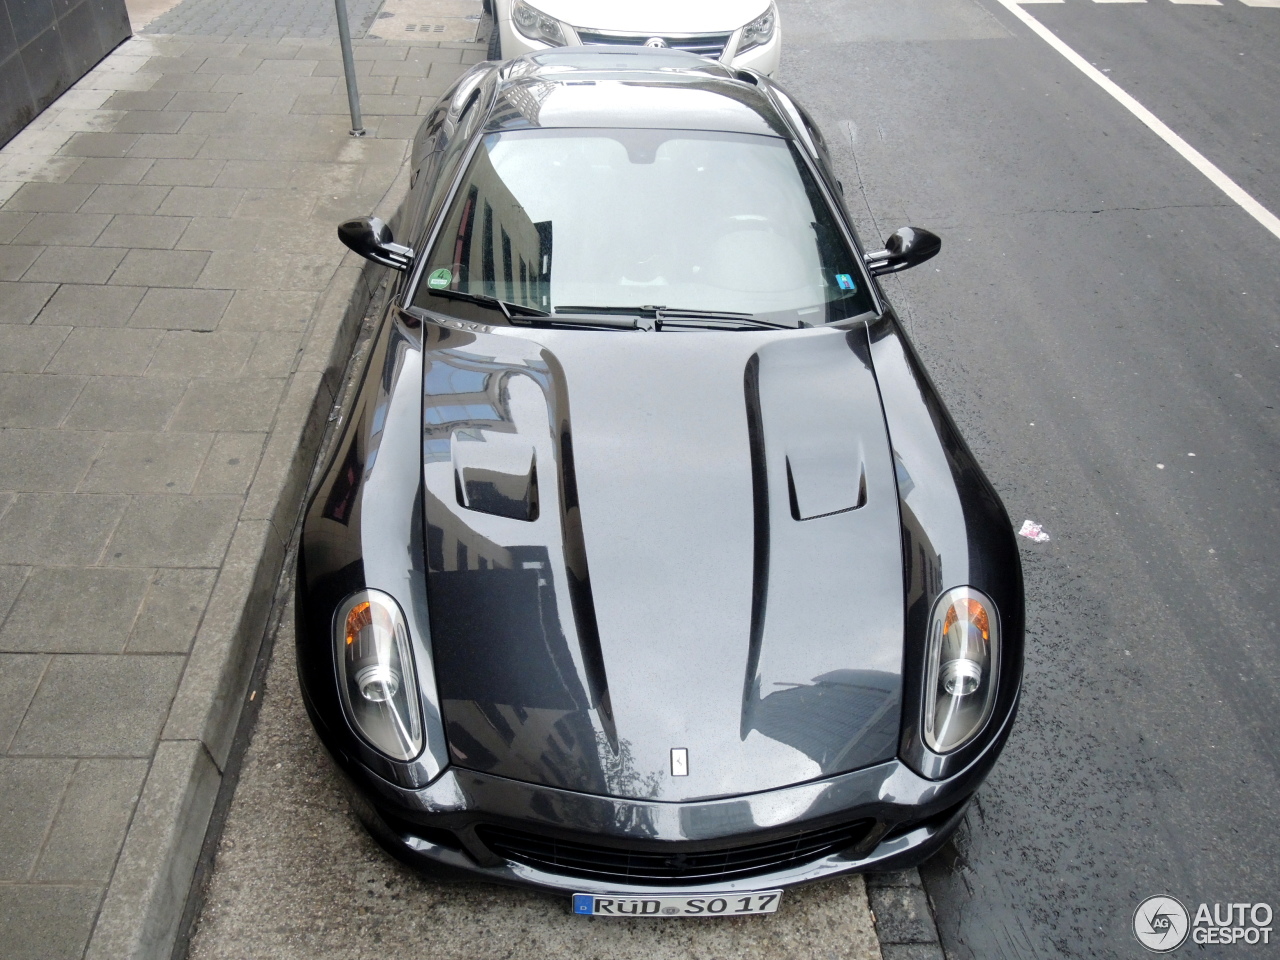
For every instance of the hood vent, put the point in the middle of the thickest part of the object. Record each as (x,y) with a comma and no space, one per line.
(822,483)
(495,473)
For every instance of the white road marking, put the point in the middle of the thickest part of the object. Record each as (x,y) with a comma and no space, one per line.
(1261,3)
(1202,3)
(1189,153)
(1119,1)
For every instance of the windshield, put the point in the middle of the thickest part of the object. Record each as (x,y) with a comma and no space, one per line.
(613,219)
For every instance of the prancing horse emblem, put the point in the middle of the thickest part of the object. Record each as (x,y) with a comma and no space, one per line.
(679,762)
(656,42)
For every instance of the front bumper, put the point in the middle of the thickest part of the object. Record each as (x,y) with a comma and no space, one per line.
(763,59)
(435,828)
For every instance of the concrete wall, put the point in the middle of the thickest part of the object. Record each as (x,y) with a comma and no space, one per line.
(46,46)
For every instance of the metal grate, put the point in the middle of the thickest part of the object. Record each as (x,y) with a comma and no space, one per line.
(675,864)
(704,45)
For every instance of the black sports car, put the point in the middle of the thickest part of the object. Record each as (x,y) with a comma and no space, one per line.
(649,566)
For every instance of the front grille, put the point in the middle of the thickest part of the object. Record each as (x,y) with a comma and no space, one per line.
(704,45)
(675,865)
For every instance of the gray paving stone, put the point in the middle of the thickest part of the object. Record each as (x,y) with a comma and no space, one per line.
(58,529)
(231,464)
(126,170)
(140,100)
(99,145)
(180,309)
(229,405)
(140,914)
(75,265)
(68,229)
(183,81)
(36,400)
(11,580)
(268,270)
(290,205)
(183,173)
(174,531)
(151,121)
(902,915)
(147,463)
(14,262)
(50,197)
(201,201)
(20,303)
(30,791)
(45,922)
(89,830)
(99,706)
(105,352)
(263,174)
(12,222)
(187,355)
(91,305)
(167,146)
(171,613)
(40,460)
(125,198)
(74,610)
(194,101)
(283,311)
(274,355)
(220,233)
(143,232)
(161,268)
(26,349)
(20,674)
(125,403)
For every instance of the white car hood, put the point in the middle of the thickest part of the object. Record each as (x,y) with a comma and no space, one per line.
(655,17)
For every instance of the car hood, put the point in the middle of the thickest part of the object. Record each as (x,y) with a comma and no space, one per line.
(657,17)
(640,542)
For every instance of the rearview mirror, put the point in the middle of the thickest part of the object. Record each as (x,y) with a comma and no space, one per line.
(905,248)
(371,238)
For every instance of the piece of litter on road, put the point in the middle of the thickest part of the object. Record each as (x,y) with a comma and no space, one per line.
(1033,531)
(1159,466)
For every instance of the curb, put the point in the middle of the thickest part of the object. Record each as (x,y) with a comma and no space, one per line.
(142,911)
(903,916)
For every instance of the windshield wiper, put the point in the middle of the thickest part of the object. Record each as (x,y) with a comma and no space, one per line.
(509,310)
(520,315)
(712,319)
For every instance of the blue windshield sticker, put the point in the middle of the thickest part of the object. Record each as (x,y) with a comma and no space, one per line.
(845,281)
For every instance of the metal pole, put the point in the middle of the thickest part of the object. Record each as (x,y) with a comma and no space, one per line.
(349,68)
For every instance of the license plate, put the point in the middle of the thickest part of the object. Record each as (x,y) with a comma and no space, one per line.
(702,905)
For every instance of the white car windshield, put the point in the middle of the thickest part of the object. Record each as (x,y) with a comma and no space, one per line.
(613,219)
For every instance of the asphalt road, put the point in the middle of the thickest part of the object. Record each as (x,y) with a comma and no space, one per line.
(1105,325)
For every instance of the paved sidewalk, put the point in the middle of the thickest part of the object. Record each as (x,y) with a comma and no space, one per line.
(173,303)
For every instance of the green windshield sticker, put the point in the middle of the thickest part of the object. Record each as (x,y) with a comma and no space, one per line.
(440,279)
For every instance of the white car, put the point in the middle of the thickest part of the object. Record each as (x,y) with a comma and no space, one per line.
(738,33)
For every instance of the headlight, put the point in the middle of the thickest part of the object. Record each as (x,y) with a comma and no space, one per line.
(536,25)
(759,30)
(376,675)
(962,668)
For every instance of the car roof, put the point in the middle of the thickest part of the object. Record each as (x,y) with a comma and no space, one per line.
(603,86)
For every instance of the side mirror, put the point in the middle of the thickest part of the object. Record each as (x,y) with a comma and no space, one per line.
(905,248)
(371,238)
